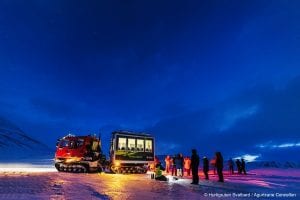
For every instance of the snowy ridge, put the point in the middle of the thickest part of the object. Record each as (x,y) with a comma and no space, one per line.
(256,164)
(273,164)
(14,143)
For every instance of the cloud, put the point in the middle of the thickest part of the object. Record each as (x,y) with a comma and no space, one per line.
(62,111)
(239,124)
(52,108)
(232,116)
(248,157)
(283,145)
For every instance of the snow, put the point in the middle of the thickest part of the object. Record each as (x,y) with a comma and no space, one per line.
(21,167)
(27,172)
(18,183)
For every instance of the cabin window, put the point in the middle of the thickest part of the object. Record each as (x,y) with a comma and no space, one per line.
(148,145)
(140,145)
(131,144)
(122,143)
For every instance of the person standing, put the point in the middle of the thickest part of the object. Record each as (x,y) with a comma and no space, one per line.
(180,166)
(238,165)
(213,164)
(195,165)
(168,163)
(174,168)
(219,166)
(187,165)
(243,166)
(205,167)
(230,166)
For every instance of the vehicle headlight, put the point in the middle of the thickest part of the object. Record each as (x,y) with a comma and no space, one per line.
(117,164)
(69,160)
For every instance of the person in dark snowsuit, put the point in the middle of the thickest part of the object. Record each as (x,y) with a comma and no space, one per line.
(243,167)
(238,165)
(179,165)
(195,165)
(174,167)
(205,167)
(219,166)
(230,166)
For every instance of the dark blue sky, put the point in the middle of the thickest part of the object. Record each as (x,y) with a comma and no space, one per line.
(204,74)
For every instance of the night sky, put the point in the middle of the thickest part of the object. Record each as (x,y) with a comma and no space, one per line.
(212,75)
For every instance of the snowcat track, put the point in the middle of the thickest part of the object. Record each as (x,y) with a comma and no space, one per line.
(71,168)
(128,170)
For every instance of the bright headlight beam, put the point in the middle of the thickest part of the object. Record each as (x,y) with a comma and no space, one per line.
(25,167)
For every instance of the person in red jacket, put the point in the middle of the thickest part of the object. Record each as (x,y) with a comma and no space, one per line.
(168,163)
(187,165)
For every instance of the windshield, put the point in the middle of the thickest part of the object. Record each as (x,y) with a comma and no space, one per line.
(73,144)
(63,143)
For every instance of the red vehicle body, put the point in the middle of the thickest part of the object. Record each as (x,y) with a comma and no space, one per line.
(78,154)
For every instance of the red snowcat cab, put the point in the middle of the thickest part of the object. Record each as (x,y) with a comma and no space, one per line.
(78,154)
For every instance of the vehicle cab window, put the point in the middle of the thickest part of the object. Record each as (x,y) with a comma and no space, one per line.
(63,143)
(80,142)
(73,144)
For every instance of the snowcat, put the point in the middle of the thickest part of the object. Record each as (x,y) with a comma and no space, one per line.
(78,154)
(131,152)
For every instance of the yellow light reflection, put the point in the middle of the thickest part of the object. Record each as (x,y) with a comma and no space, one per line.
(75,159)
(117,164)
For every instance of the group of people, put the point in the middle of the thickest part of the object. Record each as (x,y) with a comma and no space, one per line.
(240,164)
(178,164)
(217,164)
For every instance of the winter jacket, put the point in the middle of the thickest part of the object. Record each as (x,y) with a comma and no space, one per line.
(187,163)
(205,165)
(219,161)
(178,162)
(195,161)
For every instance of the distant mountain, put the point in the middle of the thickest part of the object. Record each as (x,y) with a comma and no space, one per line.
(15,144)
(273,164)
(256,164)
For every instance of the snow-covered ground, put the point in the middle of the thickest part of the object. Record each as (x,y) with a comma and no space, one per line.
(41,181)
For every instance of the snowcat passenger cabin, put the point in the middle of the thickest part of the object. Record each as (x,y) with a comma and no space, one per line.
(131,152)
